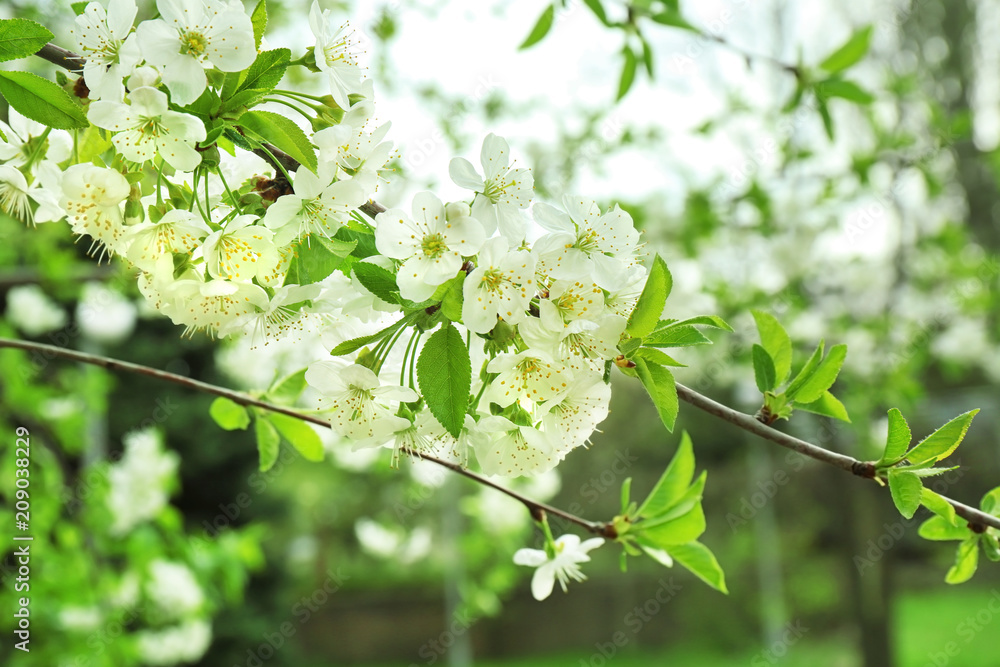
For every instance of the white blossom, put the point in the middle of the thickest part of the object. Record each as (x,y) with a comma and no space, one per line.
(360,406)
(93,197)
(501,190)
(110,51)
(563,566)
(336,56)
(501,286)
(31,310)
(317,207)
(512,450)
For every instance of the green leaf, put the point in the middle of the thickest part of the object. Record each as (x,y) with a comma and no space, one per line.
(942,442)
(42,101)
(288,389)
(659,384)
(828,406)
(702,320)
(806,371)
(649,307)
(229,415)
(939,529)
(283,133)
(847,90)
(672,18)
(654,552)
(20,38)
(629,346)
(966,561)
(700,560)
(628,74)
(677,335)
(991,502)
(542,27)
(380,282)
(657,357)
(647,56)
(763,369)
(445,376)
(598,9)
(315,258)
(261,78)
(354,344)
(626,494)
(824,114)
(991,546)
(453,298)
(667,534)
(775,340)
(268,442)
(259,21)
(299,435)
(823,377)
(898,439)
(905,488)
(673,483)
(937,504)
(853,50)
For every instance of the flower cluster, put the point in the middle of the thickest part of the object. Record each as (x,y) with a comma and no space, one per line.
(540,294)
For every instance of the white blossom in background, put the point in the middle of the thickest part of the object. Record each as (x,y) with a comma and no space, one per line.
(501,192)
(139,481)
(431,245)
(104,315)
(145,128)
(336,56)
(183,643)
(191,35)
(104,40)
(562,567)
(173,589)
(31,310)
(211,305)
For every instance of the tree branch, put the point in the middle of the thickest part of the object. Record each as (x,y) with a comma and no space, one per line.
(537,509)
(976,518)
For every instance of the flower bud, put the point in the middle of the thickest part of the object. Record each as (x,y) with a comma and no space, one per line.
(457,209)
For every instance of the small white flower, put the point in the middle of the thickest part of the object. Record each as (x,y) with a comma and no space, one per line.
(501,191)
(92,197)
(16,195)
(104,315)
(241,251)
(178,231)
(186,642)
(529,377)
(208,305)
(336,56)
(138,482)
(361,407)
(430,245)
(173,589)
(501,286)
(22,137)
(192,34)
(145,127)
(573,416)
(110,51)
(317,207)
(581,344)
(283,315)
(350,150)
(563,566)
(511,450)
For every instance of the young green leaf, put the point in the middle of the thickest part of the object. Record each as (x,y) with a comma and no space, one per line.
(700,560)
(299,435)
(453,298)
(626,494)
(703,320)
(775,340)
(268,442)
(42,101)
(654,552)
(672,17)
(541,29)
(905,488)
(676,335)
(991,502)
(598,9)
(824,114)
(316,258)
(937,504)
(283,133)
(806,371)
(991,546)
(897,441)
(259,21)
(288,389)
(823,377)
(667,534)
(20,38)
(229,415)
(659,384)
(942,442)
(261,78)
(649,307)
(853,50)
(827,405)
(939,529)
(763,369)
(657,357)
(847,90)
(444,372)
(966,561)
(628,73)
(673,483)
(355,344)
(380,282)
(647,56)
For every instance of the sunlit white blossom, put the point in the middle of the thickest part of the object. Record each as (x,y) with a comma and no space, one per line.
(562,566)
(336,55)
(500,286)
(501,190)
(93,198)
(111,52)
(360,406)
(241,251)
(511,450)
(317,207)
